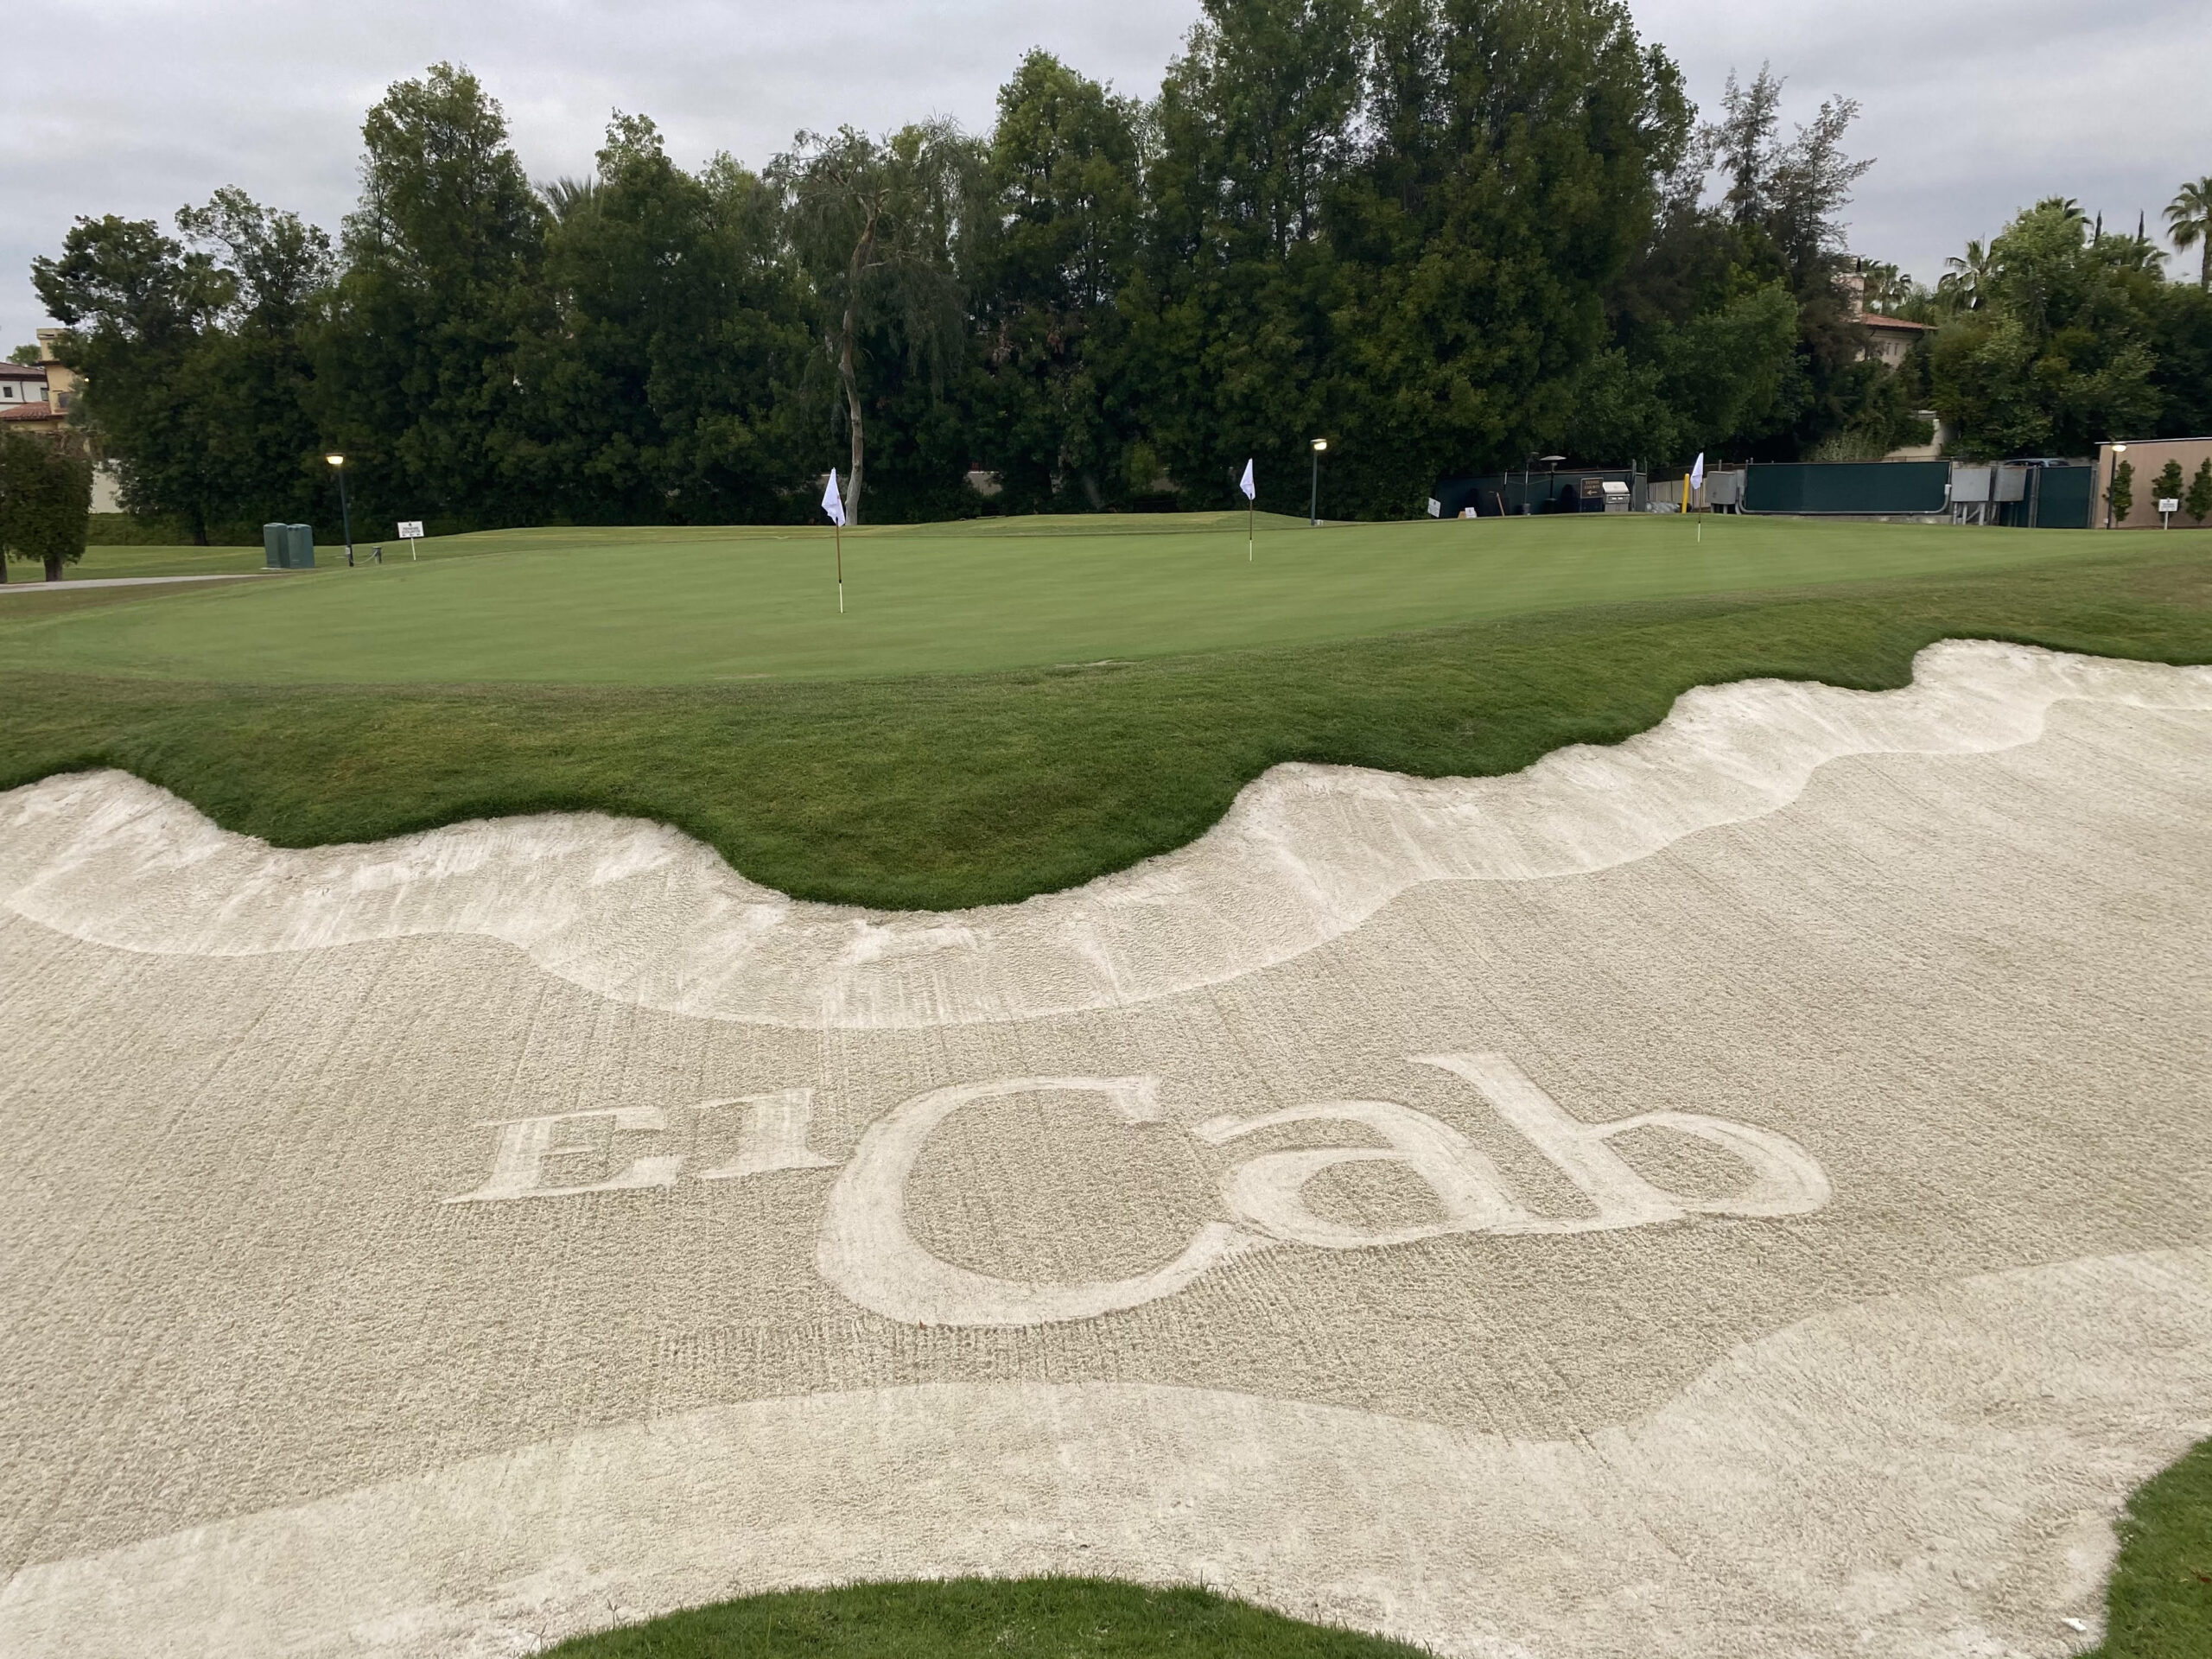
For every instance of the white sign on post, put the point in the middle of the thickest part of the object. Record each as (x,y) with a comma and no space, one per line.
(2168,505)
(411,531)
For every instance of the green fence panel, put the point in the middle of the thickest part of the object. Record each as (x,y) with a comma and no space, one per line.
(1858,486)
(2065,498)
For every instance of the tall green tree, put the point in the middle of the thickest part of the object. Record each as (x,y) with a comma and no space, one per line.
(875,223)
(419,376)
(663,391)
(1235,308)
(2057,359)
(1047,263)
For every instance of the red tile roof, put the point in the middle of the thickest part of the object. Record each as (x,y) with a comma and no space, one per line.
(30,412)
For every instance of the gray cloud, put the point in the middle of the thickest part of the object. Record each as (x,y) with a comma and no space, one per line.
(1972,107)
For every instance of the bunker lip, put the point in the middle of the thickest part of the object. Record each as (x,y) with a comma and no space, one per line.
(642,913)
(1863,1480)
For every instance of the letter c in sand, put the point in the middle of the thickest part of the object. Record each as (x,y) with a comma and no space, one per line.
(866,1250)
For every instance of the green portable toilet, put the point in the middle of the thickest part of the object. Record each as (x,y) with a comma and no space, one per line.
(299,551)
(273,545)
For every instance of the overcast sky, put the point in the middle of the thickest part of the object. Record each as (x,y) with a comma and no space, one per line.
(1972,107)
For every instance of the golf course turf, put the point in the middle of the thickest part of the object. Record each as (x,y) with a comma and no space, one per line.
(1010,709)
(935,789)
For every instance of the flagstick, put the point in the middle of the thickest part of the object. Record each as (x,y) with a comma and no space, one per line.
(1250,509)
(841,569)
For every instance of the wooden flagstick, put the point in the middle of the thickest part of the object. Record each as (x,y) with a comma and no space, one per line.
(839,529)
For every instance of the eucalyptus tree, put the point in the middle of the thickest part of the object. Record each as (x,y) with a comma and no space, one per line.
(875,223)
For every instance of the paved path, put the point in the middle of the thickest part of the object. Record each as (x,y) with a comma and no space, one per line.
(1740,1192)
(71,585)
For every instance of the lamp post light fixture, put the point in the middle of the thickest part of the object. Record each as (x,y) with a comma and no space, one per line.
(2118,450)
(345,511)
(1313,506)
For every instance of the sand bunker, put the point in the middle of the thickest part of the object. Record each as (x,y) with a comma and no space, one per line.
(1741,1192)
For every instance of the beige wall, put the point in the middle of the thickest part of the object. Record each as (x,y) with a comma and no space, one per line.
(2147,457)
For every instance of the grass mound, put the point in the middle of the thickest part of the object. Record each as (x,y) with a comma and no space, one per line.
(1018,1618)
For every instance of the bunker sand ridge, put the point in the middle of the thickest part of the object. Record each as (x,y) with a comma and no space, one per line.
(391,1274)
(645,914)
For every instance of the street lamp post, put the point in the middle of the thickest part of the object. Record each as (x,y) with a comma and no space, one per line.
(345,511)
(2118,450)
(1313,506)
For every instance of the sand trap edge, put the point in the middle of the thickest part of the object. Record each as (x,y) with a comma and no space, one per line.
(640,912)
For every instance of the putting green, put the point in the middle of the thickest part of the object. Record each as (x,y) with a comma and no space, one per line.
(689,607)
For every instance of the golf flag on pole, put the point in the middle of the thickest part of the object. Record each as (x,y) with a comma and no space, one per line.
(1697,473)
(834,505)
(1251,506)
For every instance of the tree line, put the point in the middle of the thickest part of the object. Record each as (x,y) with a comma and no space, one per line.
(1444,234)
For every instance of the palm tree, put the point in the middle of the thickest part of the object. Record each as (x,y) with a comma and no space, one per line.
(1966,281)
(569,197)
(2189,216)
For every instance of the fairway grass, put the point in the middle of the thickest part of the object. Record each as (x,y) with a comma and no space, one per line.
(694,607)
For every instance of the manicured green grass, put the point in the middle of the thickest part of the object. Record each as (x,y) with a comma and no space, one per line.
(694,607)
(1020,1619)
(952,790)
(103,562)
(2158,1604)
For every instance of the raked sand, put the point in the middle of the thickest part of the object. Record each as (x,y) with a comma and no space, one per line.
(1745,1192)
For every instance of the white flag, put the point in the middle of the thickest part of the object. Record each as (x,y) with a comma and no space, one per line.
(832,502)
(1251,491)
(1697,472)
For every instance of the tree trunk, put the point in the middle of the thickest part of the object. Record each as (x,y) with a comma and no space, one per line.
(53,569)
(849,375)
(852,419)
